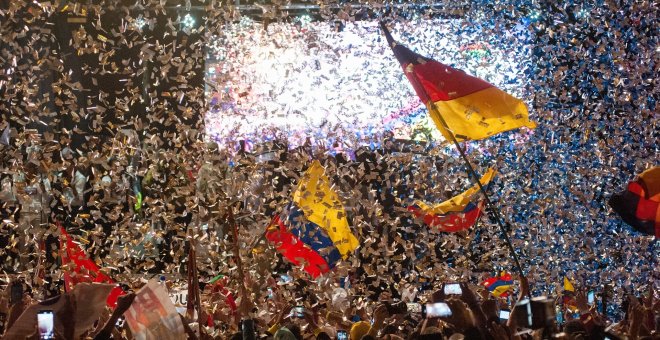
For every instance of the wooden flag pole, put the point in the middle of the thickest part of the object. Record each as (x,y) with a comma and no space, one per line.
(470,169)
(193,285)
(237,254)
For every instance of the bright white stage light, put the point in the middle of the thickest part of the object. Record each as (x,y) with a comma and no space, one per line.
(188,21)
(140,23)
(326,84)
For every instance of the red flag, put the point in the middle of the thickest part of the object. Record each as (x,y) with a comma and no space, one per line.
(83,269)
(639,205)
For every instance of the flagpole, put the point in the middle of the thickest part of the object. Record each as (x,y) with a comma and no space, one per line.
(475,177)
(193,279)
(239,262)
(471,172)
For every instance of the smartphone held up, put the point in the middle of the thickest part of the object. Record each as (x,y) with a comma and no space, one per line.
(438,310)
(453,289)
(46,324)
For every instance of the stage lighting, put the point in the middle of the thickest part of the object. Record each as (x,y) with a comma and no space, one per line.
(140,23)
(188,21)
(304,19)
(534,16)
(583,13)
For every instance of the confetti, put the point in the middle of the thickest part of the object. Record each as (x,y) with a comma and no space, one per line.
(140,130)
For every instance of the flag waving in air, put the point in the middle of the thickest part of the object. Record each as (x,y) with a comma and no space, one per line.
(472,108)
(639,205)
(499,286)
(313,230)
(451,222)
(568,297)
(83,269)
(568,286)
(457,213)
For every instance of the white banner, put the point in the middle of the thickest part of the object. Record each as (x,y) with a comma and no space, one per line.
(153,316)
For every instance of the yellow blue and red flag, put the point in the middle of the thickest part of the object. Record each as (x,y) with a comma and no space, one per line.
(499,286)
(451,222)
(313,231)
(457,213)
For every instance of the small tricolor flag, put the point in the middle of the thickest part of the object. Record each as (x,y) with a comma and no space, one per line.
(456,213)
(472,108)
(451,222)
(313,231)
(499,286)
(639,204)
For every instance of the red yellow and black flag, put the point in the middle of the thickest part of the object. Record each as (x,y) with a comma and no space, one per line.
(639,204)
(472,108)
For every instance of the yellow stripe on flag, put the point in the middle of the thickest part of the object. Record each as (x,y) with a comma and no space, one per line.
(481,114)
(568,286)
(500,290)
(458,202)
(321,205)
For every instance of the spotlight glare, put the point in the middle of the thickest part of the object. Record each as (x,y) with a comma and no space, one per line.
(188,21)
(140,23)
(583,13)
(305,19)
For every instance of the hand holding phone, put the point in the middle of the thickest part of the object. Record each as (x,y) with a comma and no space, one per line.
(299,312)
(438,310)
(46,324)
(453,289)
(504,314)
(342,335)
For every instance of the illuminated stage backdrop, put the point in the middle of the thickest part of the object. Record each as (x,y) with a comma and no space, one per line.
(309,79)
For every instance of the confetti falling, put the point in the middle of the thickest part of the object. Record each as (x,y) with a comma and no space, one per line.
(108,105)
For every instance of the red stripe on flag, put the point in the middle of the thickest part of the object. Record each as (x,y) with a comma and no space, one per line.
(442,82)
(295,250)
(452,222)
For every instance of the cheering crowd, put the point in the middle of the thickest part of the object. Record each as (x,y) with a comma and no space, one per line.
(389,267)
(135,207)
(470,313)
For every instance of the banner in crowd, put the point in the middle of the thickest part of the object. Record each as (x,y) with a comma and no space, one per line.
(153,316)
(83,269)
